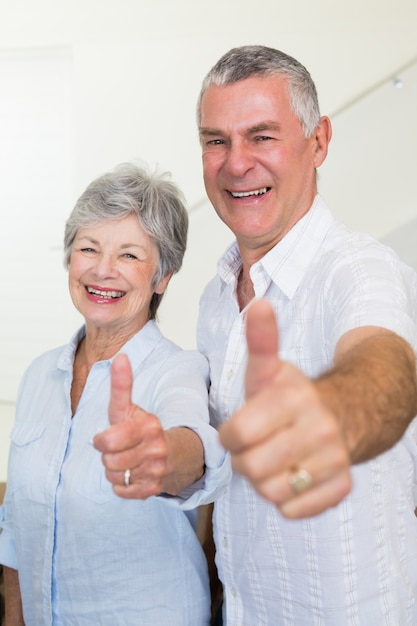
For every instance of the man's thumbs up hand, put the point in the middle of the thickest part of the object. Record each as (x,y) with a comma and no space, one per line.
(284,439)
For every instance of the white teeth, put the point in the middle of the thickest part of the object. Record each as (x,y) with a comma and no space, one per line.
(245,194)
(106,294)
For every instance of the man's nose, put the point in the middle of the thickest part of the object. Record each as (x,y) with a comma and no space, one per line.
(240,159)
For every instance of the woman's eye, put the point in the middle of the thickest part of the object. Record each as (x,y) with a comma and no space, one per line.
(128,255)
(87,250)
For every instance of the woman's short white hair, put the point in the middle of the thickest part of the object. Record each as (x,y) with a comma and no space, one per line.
(155,200)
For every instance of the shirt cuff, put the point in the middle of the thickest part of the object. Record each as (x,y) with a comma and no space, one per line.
(216,477)
(7,546)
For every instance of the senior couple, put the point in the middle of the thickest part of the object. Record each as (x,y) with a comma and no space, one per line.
(307,339)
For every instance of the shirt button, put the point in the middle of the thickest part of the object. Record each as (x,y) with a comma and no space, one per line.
(225,543)
(229,374)
(233,592)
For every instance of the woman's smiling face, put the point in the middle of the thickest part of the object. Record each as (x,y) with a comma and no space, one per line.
(111,273)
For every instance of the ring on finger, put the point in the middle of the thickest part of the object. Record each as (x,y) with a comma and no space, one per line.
(300,480)
(127,478)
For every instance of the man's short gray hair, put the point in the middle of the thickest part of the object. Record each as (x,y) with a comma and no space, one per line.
(248,61)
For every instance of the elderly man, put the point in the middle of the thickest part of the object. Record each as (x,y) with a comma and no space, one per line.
(304,413)
(317,525)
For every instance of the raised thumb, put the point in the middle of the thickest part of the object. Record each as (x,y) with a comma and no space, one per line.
(262,344)
(121,389)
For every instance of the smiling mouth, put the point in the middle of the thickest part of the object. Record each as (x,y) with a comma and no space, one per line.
(105,294)
(248,194)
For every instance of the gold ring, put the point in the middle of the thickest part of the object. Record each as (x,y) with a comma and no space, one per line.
(127,478)
(300,480)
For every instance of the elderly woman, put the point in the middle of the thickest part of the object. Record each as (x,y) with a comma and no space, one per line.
(75,551)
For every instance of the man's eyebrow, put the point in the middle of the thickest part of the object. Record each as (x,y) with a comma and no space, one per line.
(203,130)
(264,126)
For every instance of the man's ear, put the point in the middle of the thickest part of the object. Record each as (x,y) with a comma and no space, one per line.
(322,136)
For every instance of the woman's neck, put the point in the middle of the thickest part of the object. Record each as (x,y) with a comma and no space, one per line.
(98,344)
(101,343)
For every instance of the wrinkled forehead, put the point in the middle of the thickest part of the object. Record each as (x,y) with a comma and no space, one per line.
(222,88)
(248,103)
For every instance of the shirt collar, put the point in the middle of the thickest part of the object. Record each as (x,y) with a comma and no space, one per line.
(288,261)
(137,348)
(66,358)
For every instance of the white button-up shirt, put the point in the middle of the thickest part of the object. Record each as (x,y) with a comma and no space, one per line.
(355,564)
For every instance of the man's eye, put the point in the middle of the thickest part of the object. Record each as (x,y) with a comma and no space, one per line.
(215,142)
(263,138)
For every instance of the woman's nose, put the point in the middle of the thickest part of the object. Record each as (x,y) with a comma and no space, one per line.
(105,266)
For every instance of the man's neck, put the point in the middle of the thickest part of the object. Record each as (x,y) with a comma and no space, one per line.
(245,290)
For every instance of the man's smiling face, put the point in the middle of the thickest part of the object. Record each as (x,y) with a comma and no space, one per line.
(259,168)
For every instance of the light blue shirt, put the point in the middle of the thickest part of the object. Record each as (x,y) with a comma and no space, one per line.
(85,556)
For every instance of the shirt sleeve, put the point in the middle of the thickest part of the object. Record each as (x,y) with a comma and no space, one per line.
(7,545)
(180,399)
(368,285)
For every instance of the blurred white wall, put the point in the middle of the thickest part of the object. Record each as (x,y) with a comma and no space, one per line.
(127,89)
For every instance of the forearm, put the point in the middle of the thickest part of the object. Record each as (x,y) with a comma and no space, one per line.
(185,464)
(373,391)
(14,612)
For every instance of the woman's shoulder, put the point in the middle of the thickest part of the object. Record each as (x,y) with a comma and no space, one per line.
(151,349)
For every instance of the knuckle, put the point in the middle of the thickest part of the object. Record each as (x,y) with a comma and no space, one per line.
(341,458)
(251,467)
(271,491)
(154,428)
(327,429)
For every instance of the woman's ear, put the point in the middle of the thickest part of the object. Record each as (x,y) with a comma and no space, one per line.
(163,284)
(322,136)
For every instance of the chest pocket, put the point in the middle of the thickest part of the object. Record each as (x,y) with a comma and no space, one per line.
(26,456)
